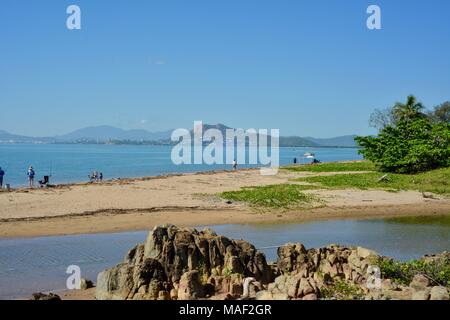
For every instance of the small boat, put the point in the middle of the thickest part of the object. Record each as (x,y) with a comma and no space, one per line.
(309,155)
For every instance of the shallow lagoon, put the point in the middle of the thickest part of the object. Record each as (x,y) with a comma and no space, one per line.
(39,264)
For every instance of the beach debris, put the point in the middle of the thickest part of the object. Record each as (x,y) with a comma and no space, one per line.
(383,178)
(429,195)
(43,296)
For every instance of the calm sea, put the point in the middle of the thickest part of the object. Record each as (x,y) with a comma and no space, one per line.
(68,163)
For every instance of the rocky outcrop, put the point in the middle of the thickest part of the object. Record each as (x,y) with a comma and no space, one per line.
(183,264)
(86,284)
(304,273)
(43,296)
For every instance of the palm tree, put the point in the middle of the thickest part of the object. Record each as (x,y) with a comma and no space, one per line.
(409,110)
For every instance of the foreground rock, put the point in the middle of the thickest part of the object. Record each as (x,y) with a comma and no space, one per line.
(43,296)
(184,264)
(187,264)
(86,284)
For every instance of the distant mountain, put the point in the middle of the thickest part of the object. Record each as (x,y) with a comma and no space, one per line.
(341,141)
(292,141)
(106,133)
(295,141)
(7,137)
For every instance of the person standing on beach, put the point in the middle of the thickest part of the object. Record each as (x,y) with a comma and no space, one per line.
(31,175)
(2,173)
(234,164)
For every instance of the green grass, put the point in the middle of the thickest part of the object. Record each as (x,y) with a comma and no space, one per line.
(333,167)
(435,181)
(283,196)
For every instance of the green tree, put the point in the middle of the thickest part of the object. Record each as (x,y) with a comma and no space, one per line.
(441,113)
(413,144)
(410,110)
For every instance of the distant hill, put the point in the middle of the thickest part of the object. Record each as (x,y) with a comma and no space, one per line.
(106,133)
(295,141)
(7,137)
(110,134)
(341,141)
(292,141)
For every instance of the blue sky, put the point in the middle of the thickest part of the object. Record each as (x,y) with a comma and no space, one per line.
(305,67)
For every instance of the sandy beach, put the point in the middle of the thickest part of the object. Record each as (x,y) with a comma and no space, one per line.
(186,200)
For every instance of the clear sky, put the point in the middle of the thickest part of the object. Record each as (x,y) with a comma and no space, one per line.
(305,67)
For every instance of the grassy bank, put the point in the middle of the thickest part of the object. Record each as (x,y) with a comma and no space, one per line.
(280,196)
(333,167)
(435,181)
(359,175)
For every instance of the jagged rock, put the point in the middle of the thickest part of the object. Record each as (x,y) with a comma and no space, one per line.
(264,295)
(254,288)
(439,293)
(364,252)
(183,263)
(280,296)
(163,295)
(43,296)
(419,282)
(288,254)
(311,296)
(169,252)
(304,288)
(388,284)
(173,294)
(421,295)
(190,286)
(85,284)
(292,284)
(124,281)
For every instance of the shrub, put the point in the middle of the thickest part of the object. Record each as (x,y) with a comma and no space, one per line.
(437,270)
(413,145)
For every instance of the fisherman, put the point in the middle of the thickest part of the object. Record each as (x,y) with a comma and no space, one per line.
(2,173)
(31,175)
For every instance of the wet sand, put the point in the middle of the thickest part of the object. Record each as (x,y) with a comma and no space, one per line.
(187,200)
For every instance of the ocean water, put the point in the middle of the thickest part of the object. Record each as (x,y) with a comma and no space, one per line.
(67,163)
(40,264)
